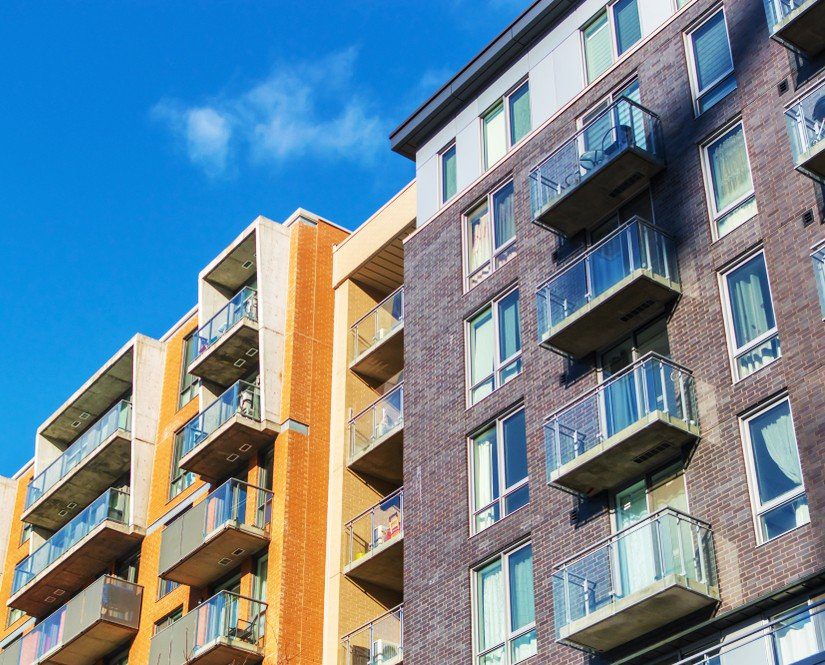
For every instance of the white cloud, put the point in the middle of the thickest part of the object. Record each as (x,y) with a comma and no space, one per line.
(302,109)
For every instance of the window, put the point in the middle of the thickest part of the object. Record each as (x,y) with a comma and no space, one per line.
(494,346)
(777,490)
(165,587)
(490,240)
(168,620)
(14,616)
(609,34)
(711,63)
(180,479)
(798,635)
(504,613)
(188,384)
(505,124)
(752,333)
(449,175)
(499,470)
(819,275)
(121,658)
(728,180)
(26,533)
(602,123)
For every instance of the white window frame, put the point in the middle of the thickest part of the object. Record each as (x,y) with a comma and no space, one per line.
(707,176)
(498,256)
(818,260)
(504,490)
(504,102)
(695,93)
(734,352)
(441,200)
(757,508)
(510,636)
(614,39)
(499,364)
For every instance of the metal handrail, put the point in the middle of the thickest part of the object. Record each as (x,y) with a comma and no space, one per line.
(371,405)
(378,306)
(398,609)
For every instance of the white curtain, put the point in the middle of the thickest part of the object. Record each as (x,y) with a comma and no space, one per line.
(495,136)
(485,477)
(482,348)
(750,301)
(478,240)
(491,606)
(780,443)
(729,168)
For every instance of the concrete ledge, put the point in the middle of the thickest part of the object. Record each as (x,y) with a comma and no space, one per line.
(382,360)
(812,163)
(382,566)
(217,363)
(383,459)
(803,29)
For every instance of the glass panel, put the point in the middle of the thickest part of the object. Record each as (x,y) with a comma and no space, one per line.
(482,350)
(478,240)
(504,223)
(495,136)
(775,453)
(243,305)
(628,26)
(799,636)
(509,330)
(485,478)
(730,176)
(750,301)
(227,615)
(806,124)
(523,647)
(449,182)
(515,449)
(375,422)
(520,121)
(761,355)
(495,657)
(491,604)
(517,499)
(784,518)
(380,641)
(377,324)
(819,276)
(711,52)
(242,399)
(522,603)
(598,50)
(378,526)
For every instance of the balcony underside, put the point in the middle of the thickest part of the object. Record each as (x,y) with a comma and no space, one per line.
(383,566)
(219,363)
(228,650)
(383,360)
(638,298)
(812,163)
(97,641)
(76,569)
(597,195)
(83,484)
(670,599)
(627,455)
(383,459)
(229,446)
(804,28)
(220,552)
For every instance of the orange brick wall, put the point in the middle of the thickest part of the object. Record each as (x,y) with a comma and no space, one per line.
(15,554)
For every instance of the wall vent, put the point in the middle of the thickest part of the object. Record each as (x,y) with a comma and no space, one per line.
(783,87)
(651,453)
(252,352)
(240,362)
(232,458)
(225,561)
(808,217)
(244,448)
(246,265)
(635,312)
(627,184)
(238,551)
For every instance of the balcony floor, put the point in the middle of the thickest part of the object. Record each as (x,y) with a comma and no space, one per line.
(83,484)
(239,436)
(202,566)
(97,641)
(585,204)
(626,455)
(638,298)
(76,569)
(217,363)
(383,459)
(655,606)
(227,650)
(804,28)
(812,163)
(383,360)
(383,566)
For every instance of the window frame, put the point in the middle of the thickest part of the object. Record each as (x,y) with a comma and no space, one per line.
(758,509)
(734,352)
(615,56)
(168,619)
(504,490)
(509,636)
(707,177)
(499,365)
(25,533)
(441,153)
(690,53)
(176,473)
(818,260)
(498,256)
(192,389)
(504,103)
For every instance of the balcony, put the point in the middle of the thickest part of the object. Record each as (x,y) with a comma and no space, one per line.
(623,428)
(655,572)
(380,642)
(227,433)
(216,535)
(610,160)
(377,438)
(797,24)
(377,340)
(75,555)
(806,128)
(101,618)
(227,344)
(86,468)
(622,282)
(375,544)
(227,628)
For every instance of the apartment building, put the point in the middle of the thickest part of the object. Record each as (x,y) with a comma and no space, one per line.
(364,611)
(175,509)
(613,367)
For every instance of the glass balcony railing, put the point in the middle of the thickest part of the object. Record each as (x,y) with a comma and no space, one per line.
(380,642)
(243,305)
(622,125)
(119,417)
(376,421)
(112,505)
(665,543)
(381,524)
(806,126)
(636,245)
(377,324)
(242,398)
(651,384)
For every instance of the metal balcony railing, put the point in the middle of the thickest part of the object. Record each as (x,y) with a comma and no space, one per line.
(112,505)
(380,642)
(377,324)
(244,304)
(806,124)
(373,423)
(653,383)
(667,542)
(241,398)
(119,417)
(778,10)
(375,527)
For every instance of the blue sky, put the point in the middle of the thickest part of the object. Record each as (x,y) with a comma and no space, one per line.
(139,137)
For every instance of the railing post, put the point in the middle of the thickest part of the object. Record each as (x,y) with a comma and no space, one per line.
(640,388)
(664,385)
(601,412)
(681,545)
(567,595)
